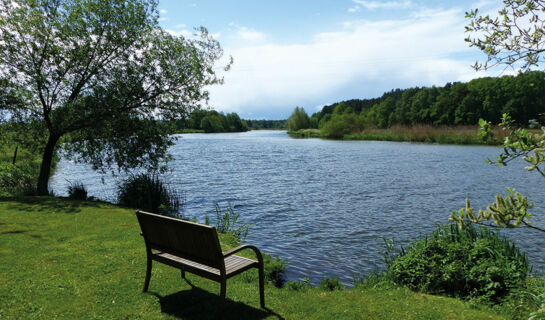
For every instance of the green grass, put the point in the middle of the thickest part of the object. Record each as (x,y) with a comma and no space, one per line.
(82,260)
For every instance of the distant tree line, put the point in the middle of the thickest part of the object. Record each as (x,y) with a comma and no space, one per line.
(266,124)
(212,121)
(521,96)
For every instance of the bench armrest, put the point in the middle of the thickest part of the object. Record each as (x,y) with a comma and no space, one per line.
(245,246)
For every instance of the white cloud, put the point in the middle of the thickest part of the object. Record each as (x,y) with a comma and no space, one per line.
(162,11)
(363,59)
(180,26)
(250,35)
(372,5)
(354,9)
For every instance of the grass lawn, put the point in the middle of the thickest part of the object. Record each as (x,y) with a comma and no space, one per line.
(83,260)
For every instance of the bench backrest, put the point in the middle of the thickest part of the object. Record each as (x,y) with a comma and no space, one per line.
(193,241)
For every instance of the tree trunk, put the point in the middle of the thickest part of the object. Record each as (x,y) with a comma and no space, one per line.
(45,169)
(15,154)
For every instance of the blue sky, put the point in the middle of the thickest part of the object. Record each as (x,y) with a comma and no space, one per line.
(313,53)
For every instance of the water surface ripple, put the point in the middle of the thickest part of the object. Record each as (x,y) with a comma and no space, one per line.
(325,205)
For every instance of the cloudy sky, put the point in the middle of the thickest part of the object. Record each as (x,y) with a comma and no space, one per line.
(305,53)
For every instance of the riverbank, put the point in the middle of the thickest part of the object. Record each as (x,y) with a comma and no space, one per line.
(461,135)
(73,259)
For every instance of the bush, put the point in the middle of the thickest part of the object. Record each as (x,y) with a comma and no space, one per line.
(330,284)
(302,285)
(146,192)
(274,270)
(473,263)
(18,179)
(77,191)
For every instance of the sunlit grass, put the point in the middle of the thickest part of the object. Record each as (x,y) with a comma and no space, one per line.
(79,260)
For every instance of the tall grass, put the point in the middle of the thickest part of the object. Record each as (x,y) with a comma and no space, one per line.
(147,192)
(428,134)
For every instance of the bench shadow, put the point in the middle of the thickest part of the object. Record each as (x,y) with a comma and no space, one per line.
(197,303)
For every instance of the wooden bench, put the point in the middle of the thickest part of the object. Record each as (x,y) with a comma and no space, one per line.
(194,248)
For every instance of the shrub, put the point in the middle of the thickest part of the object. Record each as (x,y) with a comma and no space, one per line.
(274,270)
(148,193)
(330,284)
(19,179)
(77,191)
(227,222)
(302,285)
(474,263)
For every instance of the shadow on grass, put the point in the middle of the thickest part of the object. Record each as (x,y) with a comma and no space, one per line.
(196,303)
(49,204)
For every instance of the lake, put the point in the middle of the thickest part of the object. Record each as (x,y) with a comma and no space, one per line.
(325,205)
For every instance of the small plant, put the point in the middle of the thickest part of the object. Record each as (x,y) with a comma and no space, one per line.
(227,222)
(148,193)
(302,285)
(330,284)
(373,280)
(274,270)
(474,263)
(77,191)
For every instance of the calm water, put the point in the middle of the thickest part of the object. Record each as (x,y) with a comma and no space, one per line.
(324,205)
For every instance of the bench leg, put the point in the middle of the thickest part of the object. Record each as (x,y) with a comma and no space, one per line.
(183,274)
(148,275)
(261,286)
(223,290)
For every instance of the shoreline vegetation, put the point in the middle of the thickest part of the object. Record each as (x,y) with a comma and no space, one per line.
(462,135)
(446,115)
(92,258)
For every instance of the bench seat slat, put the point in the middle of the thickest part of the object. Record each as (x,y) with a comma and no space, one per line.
(233,264)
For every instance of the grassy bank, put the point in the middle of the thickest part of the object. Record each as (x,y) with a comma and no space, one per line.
(70,259)
(422,133)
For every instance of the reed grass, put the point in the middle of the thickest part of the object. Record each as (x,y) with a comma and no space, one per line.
(429,134)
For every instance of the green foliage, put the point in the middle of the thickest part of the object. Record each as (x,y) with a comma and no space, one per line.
(474,263)
(330,284)
(510,210)
(298,120)
(512,37)
(211,121)
(275,269)
(266,124)
(103,74)
(457,104)
(227,222)
(528,299)
(340,125)
(77,191)
(374,280)
(18,179)
(148,193)
(301,285)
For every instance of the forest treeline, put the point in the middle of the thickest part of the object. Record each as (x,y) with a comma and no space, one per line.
(522,96)
(213,121)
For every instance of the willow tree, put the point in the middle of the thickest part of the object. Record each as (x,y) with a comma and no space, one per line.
(99,75)
(515,37)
